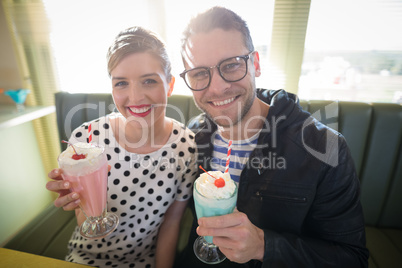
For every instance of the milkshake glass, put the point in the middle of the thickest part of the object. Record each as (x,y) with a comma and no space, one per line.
(211,200)
(86,169)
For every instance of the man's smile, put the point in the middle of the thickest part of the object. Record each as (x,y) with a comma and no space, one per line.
(223,102)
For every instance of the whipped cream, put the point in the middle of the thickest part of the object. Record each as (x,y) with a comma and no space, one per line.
(94,158)
(206,187)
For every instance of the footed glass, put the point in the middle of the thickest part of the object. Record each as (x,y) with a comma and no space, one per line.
(18,96)
(89,179)
(204,249)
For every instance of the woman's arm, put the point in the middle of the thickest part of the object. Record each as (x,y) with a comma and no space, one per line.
(169,234)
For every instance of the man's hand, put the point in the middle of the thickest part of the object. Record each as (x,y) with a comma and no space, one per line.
(235,235)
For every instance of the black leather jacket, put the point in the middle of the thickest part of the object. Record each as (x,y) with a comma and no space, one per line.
(299,186)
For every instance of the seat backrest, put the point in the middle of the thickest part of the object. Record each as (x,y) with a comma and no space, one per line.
(72,110)
(372,131)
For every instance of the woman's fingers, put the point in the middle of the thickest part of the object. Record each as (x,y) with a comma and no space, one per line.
(68,202)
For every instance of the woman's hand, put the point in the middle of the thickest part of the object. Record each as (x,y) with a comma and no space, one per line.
(67,199)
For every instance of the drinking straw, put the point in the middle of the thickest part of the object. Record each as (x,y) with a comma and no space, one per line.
(89,134)
(228,156)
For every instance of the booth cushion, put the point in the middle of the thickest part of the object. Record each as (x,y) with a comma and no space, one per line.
(373,132)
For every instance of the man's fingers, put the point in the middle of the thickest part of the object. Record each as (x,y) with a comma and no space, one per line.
(225,221)
(237,232)
(217,232)
(225,244)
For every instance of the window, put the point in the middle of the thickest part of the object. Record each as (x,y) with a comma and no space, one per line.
(353,51)
(81,32)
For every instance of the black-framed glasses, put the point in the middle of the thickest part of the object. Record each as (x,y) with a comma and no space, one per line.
(231,70)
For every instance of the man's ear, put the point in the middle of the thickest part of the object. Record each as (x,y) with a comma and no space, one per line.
(171,86)
(257,66)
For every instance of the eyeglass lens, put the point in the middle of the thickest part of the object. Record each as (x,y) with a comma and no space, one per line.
(231,70)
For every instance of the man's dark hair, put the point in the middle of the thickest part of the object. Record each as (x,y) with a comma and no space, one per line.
(217,17)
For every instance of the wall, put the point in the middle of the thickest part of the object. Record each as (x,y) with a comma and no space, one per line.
(22,176)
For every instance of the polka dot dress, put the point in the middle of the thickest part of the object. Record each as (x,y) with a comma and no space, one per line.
(141,187)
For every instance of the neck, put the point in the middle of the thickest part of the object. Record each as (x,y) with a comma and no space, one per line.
(142,140)
(250,124)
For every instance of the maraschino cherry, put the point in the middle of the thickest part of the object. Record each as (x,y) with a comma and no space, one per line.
(218,182)
(75,156)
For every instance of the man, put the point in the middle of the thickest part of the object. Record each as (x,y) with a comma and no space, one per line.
(298,199)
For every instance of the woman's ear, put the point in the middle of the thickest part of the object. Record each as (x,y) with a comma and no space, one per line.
(257,66)
(171,86)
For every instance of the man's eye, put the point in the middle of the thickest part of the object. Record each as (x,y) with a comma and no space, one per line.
(230,67)
(199,74)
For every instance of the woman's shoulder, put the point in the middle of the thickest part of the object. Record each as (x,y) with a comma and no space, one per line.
(184,133)
(92,127)
(94,124)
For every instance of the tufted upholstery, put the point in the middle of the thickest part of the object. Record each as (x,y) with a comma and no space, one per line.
(373,133)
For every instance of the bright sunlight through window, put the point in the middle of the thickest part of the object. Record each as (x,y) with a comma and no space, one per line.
(81,32)
(353,51)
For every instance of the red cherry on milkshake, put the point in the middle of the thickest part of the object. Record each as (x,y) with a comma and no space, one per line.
(219,183)
(78,156)
(75,156)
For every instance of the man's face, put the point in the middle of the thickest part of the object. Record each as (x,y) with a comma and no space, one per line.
(227,103)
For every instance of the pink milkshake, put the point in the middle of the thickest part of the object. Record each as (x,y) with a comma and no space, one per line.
(85,167)
(90,188)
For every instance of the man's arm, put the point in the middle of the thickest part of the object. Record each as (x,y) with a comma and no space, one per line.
(334,233)
(334,227)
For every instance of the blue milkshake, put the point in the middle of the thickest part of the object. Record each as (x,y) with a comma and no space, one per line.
(215,194)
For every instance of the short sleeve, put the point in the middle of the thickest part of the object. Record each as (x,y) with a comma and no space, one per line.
(188,175)
(80,134)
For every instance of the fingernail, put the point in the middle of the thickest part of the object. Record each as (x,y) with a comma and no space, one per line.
(74,196)
(66,185)
(77,201)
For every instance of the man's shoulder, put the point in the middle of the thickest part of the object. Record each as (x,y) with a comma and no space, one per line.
(277,96)
(197,122)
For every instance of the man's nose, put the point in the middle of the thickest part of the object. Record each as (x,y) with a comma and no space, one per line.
(218,84)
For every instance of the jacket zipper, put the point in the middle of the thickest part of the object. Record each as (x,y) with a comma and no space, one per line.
(282,198)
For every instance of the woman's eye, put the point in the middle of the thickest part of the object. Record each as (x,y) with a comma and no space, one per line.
(120,84)
(150,81)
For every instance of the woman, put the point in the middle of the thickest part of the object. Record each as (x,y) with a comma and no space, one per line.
(151,158)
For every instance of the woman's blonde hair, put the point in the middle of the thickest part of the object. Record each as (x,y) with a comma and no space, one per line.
(138,40)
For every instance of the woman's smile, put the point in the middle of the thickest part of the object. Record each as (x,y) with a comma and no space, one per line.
(140,110)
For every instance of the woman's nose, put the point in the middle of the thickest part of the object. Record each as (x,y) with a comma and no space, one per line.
(135,93)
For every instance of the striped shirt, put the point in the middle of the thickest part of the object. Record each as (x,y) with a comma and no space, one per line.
(241,150)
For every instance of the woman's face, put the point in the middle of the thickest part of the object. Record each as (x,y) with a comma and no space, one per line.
(140,89)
